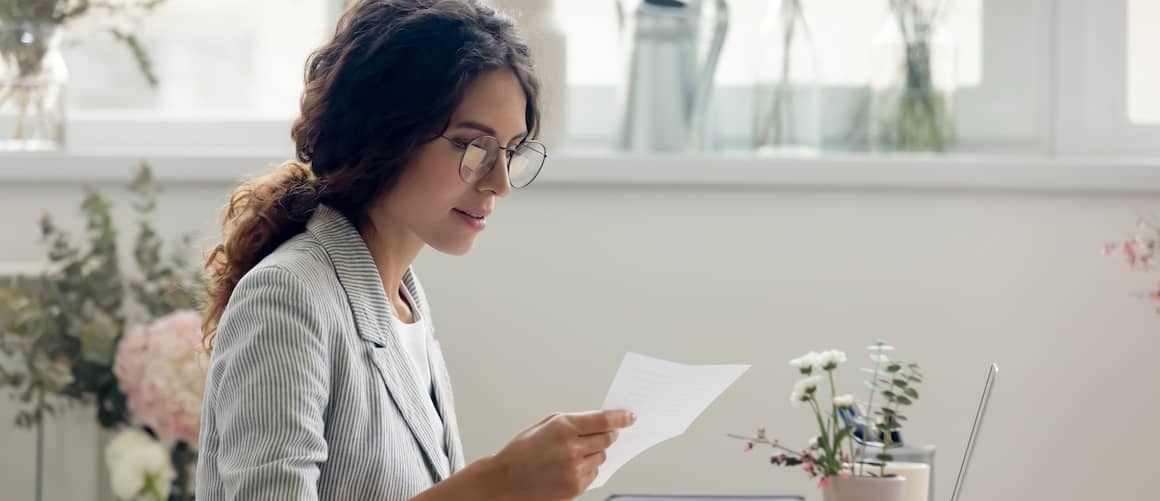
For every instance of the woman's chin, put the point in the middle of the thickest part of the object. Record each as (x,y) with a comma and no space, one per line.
(454,247)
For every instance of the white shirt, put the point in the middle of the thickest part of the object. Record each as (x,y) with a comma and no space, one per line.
(414,338)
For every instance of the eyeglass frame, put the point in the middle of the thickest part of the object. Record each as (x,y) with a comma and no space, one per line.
(510,152)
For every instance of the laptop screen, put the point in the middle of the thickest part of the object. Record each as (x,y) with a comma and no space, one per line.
(992,374)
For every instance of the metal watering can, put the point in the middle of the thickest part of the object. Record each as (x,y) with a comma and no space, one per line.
(664,96)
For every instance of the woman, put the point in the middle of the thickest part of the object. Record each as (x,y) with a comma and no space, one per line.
(325,382)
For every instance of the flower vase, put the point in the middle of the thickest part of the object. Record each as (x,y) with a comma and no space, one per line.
(913,82)
(33,77)
(841,488)
(787,89)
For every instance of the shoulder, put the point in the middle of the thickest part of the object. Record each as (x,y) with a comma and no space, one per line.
(296,280)
(301,259)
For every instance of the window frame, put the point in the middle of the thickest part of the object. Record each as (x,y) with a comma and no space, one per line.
(1029,101)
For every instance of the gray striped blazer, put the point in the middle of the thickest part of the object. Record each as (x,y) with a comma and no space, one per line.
(309,394)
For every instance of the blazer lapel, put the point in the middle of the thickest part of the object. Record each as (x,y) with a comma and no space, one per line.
(372,315)
(446,403)
(444,399)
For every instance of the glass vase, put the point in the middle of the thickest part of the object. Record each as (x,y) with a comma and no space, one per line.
(33,77)
(913,81)
(787,89)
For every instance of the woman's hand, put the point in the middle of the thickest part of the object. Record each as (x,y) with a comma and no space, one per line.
(557,458)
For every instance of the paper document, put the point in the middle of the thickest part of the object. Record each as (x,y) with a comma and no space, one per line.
(666,397)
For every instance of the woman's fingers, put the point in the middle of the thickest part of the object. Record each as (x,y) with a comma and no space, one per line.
(590,444)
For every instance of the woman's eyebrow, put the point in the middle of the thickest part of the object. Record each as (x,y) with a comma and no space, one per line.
(485,129)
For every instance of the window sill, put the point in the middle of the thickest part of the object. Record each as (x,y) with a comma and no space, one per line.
(602,169)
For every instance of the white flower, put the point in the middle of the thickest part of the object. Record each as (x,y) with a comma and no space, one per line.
(807,385)
(843,401)
(830,360)
(805,363)
(814,442)
(136,460)
(797,398)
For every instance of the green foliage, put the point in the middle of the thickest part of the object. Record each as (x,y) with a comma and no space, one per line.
(14,13)
(59,330)
(895,381)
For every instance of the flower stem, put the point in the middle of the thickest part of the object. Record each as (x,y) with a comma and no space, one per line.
(835,463)
(834,416)
(774,444)
(869,411)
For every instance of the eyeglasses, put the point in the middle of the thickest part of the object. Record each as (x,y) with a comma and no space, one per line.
(523,162)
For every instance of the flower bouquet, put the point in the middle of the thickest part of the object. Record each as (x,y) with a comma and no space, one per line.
(835,457)
(91,331)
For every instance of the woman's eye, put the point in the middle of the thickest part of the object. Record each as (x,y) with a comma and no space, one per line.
(461,143)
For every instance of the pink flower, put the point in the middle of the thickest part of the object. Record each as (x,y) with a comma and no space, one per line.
(129,362)
(1130,249)
(824,482)
(161,369)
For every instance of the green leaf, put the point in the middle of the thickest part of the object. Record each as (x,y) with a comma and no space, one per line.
(904,401)
(884,457)
(912,393)
(901,383)
(139,55)
(98,336)
(892,368)
(842,434)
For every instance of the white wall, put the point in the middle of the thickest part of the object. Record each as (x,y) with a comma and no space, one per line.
(567,279)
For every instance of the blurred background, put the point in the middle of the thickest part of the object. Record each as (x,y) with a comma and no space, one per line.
(729,181)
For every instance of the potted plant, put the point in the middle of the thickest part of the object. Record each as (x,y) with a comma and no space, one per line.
(834,457)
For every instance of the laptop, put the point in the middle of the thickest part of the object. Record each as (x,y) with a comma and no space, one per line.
(981,413)
(968,454)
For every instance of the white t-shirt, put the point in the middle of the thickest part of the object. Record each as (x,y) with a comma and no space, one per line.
(414,338)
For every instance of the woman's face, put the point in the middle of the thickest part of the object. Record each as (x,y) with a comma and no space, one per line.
(430,199)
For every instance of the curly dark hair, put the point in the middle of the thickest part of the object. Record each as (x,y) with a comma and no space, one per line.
(387,83)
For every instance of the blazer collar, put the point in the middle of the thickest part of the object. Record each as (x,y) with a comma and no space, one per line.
(371,309)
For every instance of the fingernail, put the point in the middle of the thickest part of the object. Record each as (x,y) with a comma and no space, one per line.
(631,417)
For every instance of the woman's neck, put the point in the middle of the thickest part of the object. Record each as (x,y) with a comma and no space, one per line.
(393,249)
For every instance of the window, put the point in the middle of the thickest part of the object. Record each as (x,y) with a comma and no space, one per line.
(1067,77)
(214,58)
(842,30)
(842,33)
(1107,100)
(1143,72)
